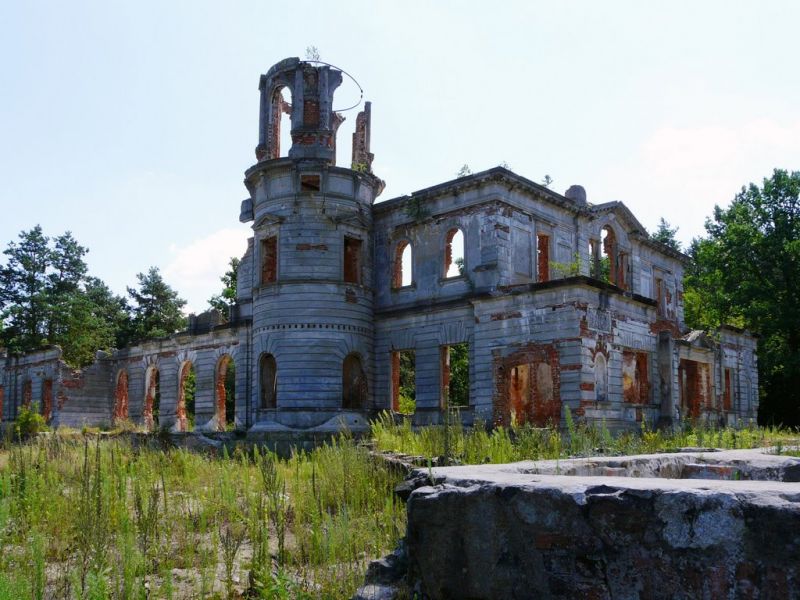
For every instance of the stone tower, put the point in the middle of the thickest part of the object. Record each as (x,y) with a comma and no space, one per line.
(306,280)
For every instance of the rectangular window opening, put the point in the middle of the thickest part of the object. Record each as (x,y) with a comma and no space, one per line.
(309,183)
(404,374)
(455,376)
(352,260)
(543,257)
(727,394)
(269,260)
(660,291)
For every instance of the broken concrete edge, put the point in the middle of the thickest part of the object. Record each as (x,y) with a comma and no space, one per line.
(682,463)
(710,511)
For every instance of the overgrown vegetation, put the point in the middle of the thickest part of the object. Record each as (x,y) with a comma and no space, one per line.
(84,518)
(745,272)
(477,445)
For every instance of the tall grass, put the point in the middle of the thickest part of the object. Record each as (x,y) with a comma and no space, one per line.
(476,445)
(102,519)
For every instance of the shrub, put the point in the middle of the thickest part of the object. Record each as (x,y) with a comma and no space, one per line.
(29,423)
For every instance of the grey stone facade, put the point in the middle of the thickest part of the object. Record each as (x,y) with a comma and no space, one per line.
(563,305)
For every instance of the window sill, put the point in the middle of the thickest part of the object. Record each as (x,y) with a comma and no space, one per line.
(454,279)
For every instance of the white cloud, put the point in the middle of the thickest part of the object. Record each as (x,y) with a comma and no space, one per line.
(195,268)
(680,173)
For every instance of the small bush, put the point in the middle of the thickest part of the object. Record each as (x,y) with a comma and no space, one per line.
(29,423)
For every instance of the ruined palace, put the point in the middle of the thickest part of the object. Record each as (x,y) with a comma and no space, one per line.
(554,303)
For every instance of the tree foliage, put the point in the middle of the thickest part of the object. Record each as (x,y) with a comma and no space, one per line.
(46,297)
(746,272)
(157,310)
(227,297)
(666,235)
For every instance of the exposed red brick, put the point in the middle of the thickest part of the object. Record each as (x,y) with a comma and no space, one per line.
(543,257)
(695,387)
(726,393)
(269,260)
(310,113)
(121,396)
(528,383)
(395,381)
(574,367)
(448,249)
(352,260)
(501,227)
(587,386)
(221,395)
(180,410)
(502,316)
(47,399)
(306,247)
(635,377)
(397,267)
(665,325)
(27,394)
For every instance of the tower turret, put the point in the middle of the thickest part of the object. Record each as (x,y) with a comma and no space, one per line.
(307,284)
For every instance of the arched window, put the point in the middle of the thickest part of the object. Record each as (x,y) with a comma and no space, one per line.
(121,396)
(600,377)
(225,390)
(47,399)
(280,125)
(354,383)
(27,394)
(268,380)
(184,412)
(608,263)
(454,253)
(152,398)
(402,273)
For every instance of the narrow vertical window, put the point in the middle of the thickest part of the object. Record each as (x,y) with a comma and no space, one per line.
(454,253)
(543,257)
(454,368)
(661,297)
(268,379)
(354,383)
(269,260)
(403,265)
(404,390)
(352,260)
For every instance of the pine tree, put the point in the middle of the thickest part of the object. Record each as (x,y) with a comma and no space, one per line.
(227,298)
(157,312)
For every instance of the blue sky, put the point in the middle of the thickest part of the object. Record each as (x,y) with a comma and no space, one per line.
(131,124)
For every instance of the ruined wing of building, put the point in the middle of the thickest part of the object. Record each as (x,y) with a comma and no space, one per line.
(557,305)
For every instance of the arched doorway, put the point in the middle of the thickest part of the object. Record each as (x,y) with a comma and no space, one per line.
(268,381)
(225,392)
(184,411)
(354,383)
(152,398)
(121,396)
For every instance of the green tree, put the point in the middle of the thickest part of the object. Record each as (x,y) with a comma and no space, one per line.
(96,319)
(157,310)
(666,235)
(46,297)
(23,291)
(227,298)
(746,272)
